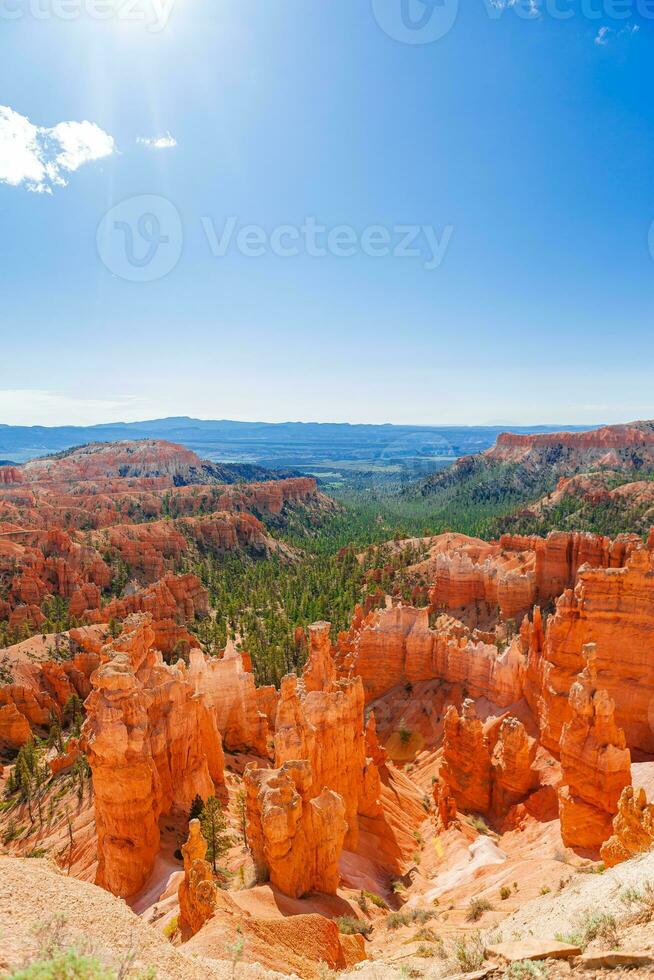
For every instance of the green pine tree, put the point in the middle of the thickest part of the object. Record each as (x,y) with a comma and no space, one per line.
(214,828)
(197,806)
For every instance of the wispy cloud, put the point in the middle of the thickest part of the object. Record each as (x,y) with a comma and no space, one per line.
(38,406)
(603,36)
(531,7)
(606,34)
(164,142)
(40,158)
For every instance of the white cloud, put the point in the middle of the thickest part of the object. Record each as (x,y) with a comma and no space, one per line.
(36,406)
(163,142)
(41,158)
(603,36)
(530,7)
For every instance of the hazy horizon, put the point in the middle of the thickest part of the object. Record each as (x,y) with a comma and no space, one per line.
(312,421)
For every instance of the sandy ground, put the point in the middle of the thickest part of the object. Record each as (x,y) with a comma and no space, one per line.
(38,903)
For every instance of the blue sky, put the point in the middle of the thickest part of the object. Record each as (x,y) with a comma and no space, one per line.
(523,141)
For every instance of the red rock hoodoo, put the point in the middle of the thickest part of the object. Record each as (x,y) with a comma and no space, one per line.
(152,744)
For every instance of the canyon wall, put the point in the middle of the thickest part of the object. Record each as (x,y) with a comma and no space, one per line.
(595,762)
(612,608)
(295,838)
(397,646)
(304,811)
(485,769)
(152,745)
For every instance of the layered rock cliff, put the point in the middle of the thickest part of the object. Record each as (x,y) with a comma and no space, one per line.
(485,769)
(72,525)
(305,810)
(153,744)
(595,762)
(397,645)
(612,608)
(633,828)
(295,838)
(240,708)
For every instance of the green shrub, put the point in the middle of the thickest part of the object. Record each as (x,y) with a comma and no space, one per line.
(479,825)
(469,952)
(65,964)
(591,926)
(397,919)
(349,926)
(476,909)
(644,901)
(376,900)
(405,734)
(407,916)
(630,895)
(527,970)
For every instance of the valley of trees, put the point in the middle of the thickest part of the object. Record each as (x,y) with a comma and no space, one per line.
(265,603)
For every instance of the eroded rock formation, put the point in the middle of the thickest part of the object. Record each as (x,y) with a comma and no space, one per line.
(152,744)
(612,608)
(485,769)
(396,645)
(72,524)
(595,762)
(295,838)
(633,828)
(466,766)
(239,707)
(197,890)
(512,766)
(305,810)
(40,691)
(324,725)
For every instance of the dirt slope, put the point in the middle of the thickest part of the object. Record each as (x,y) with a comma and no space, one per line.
(34,894)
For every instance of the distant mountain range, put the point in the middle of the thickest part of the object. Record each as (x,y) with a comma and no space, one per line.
(296,444)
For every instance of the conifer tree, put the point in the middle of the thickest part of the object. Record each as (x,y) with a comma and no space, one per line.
(214,828)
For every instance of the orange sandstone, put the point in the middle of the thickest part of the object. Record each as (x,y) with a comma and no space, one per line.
(633,828)
(595,761)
